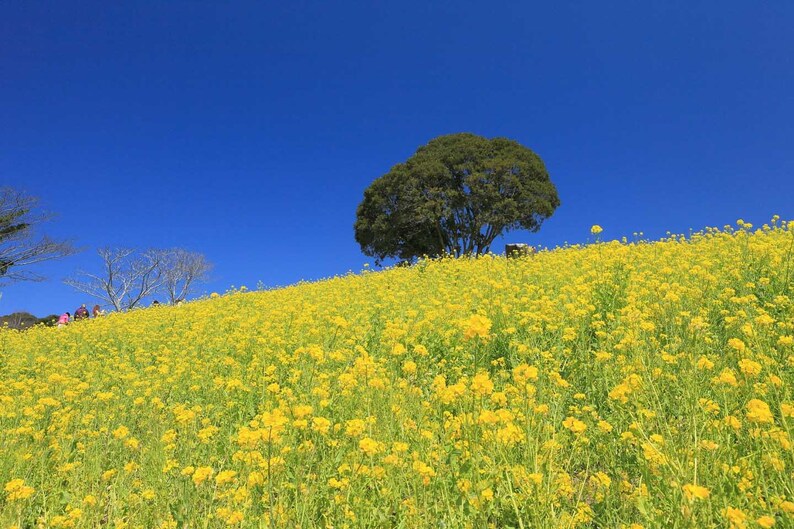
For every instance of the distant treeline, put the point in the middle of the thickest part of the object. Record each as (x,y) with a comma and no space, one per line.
(26,320)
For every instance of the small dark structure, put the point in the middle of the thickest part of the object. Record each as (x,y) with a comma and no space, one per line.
(518,250)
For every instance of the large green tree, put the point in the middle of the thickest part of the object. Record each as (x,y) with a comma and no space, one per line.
(454,196)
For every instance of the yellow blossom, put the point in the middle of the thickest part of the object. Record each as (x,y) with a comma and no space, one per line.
(369,446)
(758,411)
(749,367)
(224,477)
(574,425)
(481,384)
(696,492)
(121,432)
(16,489)
(477,326)
(201,475)
(736,517)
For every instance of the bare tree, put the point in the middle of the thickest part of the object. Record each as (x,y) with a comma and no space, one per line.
(126,279)
(181,270)
(19,245)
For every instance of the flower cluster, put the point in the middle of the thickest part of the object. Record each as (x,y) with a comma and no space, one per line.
(619,384)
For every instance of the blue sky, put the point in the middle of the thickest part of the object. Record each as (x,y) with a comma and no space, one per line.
(249,130)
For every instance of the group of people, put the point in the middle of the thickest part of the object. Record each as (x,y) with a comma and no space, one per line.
(80,314)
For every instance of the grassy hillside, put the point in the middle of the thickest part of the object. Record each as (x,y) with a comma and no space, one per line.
(612,385)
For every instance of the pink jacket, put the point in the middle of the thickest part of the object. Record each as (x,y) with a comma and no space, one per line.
(64,319)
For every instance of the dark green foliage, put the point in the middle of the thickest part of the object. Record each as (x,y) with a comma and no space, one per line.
(25,320)
(454,196)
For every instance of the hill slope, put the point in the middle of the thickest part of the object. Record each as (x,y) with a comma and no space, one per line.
(601,386)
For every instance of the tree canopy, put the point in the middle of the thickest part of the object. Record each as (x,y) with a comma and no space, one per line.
(454,196)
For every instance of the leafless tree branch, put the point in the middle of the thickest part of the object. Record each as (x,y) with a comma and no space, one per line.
(19,245)
(181,271)
(129,277)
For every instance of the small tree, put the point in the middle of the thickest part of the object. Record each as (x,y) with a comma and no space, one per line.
(454,196)
(126,279)
(181,270)
(19,245)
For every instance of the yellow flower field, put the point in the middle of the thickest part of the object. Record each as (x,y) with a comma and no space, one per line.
(610,385)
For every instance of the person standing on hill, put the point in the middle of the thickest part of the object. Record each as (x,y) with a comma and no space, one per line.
(64,319)
(81,313)
(97,311)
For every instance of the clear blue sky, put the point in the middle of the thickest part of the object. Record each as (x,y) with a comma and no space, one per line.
(249,130)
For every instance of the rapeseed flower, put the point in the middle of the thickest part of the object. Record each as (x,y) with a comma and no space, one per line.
(696,492)
(16,489)
(201,475)
(574,425)
(571,388)
(224,477)
(736,517)
(758,411)
(369,446)
(477,326)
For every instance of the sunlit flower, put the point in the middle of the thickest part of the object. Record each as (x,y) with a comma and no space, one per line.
(201,475)
(477,326)
(574,425)
(16,489)
(758,411)
(696,492)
